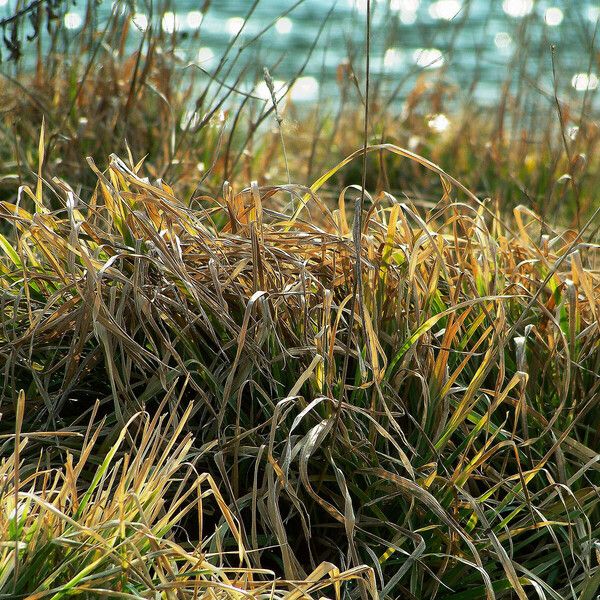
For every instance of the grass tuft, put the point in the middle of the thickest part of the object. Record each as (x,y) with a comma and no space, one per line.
(441,430)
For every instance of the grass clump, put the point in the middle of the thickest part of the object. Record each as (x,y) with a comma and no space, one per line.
(120,535)
(416,391)
(226,390)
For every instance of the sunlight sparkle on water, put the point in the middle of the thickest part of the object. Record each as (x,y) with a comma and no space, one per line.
(593,13)
(360,5)
(584,81)
(140,20)
(428,58)
(194,19)
(234,25)
(502,40)
(439,123)
(407,18)
(572,132)
(283,25)
(205,55)
(517,8)
(554,16)
(392,58)
(170,22)
(409,6)
(73,20)
(444,9)
(305,89)
(263,92)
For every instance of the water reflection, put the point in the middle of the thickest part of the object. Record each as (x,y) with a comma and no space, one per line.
(392,58)
(439,123)
(445,9)
(572,132)
(407,17)
(283,25)
(411,6)
(205,56)
(263,92)
(194,19)
(585,81)
(428,58)
(73,20)
(170,22)
(517,8)
(140,20)
(502,40)
(360,5)
(553,16)
(234,25)
(477,34)
(305,89)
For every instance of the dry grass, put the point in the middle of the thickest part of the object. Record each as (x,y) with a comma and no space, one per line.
(538,147)
(419,396)
(120,536)
(213,390)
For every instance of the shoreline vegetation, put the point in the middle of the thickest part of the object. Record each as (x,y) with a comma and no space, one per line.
(229,371)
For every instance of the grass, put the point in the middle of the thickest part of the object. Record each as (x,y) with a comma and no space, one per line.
(438,426)
(115,538)
(538,147)
(217,385)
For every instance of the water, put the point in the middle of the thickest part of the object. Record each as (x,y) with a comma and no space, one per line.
(461,42)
